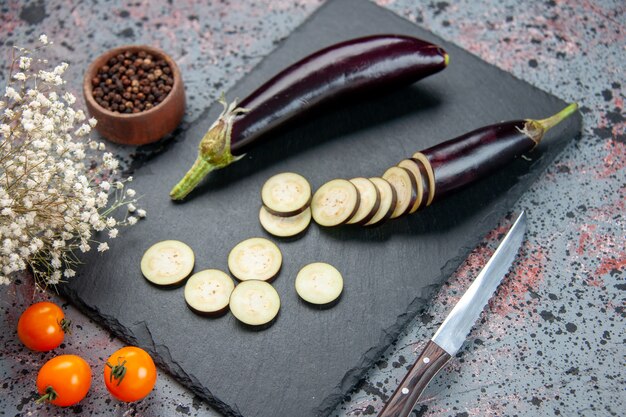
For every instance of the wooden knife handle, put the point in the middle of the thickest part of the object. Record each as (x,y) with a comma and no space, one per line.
(401,403)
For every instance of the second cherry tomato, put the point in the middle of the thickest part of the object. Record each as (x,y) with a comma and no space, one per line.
(130,374)
(64,380)
(42,326)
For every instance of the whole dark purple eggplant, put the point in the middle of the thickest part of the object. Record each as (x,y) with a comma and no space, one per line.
(341,71)
(453,164)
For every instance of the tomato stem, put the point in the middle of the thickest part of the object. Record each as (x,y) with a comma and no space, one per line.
(117,371)
(49,396)
(66,326)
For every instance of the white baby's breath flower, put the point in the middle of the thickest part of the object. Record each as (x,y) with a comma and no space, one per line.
(10,93)
(8,211)
(69,97)
(56,263)
(141,213)
(102,199)
(57,198)
(54,279)
(25,62)
(60,69)
(83,130)
(99,226)
(109,161)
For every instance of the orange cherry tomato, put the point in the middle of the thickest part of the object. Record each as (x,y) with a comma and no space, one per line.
(64,380)
(130,374)
(42,326)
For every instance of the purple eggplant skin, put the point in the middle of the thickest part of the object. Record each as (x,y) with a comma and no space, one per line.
(353,68)
(477,154)
(350,68)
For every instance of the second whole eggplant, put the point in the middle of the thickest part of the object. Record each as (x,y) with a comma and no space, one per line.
(348,69)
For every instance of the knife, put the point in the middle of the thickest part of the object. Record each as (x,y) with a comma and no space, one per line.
(452,333)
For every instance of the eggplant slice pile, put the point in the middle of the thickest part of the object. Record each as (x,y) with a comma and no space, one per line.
(402,189)
(286,199)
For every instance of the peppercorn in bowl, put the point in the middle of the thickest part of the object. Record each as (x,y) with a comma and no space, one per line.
(136,93)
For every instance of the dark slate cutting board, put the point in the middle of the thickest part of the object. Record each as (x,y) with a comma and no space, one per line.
(305,362)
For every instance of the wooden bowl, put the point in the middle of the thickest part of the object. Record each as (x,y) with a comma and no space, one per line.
(143,127)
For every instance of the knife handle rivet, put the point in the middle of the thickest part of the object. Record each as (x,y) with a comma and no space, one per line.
(426,360)
(405,391)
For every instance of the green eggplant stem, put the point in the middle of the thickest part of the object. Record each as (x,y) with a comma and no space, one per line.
(213,151)
(554,120)
(192,178)
(536,129)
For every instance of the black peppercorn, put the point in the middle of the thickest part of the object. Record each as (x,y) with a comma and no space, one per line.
(132,82)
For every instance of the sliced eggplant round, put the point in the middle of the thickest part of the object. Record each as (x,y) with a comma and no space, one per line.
(334,203)
(387,201)
(431,175)
(404,184)
(412,167)
(208,292)
(284,226)
(255,258)
(369,200)
(319,283)
(286,194)
(167,262)
(254,302)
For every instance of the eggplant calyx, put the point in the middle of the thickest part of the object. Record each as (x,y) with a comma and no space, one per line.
(533,130)
(215,145)
(213,151)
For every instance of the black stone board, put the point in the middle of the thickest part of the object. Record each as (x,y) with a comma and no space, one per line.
(309,358)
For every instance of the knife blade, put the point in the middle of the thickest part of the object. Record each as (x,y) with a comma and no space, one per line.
(454,330)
